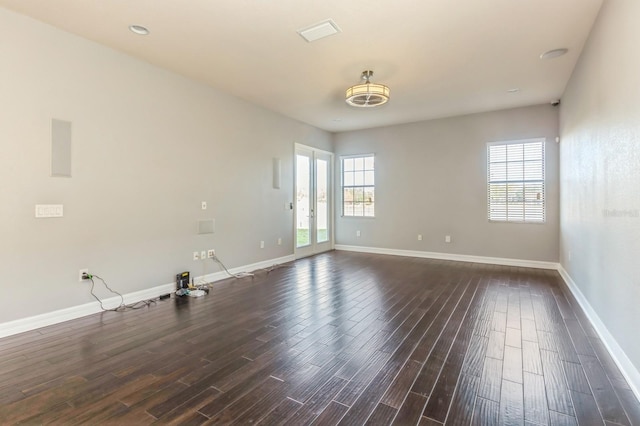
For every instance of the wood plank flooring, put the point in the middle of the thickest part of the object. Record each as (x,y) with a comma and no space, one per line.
(339,338)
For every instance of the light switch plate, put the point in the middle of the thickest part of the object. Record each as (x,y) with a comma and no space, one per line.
(49,210)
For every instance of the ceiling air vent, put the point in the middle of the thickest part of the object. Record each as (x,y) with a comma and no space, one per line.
(320,30)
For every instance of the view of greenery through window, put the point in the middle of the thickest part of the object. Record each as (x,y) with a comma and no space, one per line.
(358,186)
(312,200)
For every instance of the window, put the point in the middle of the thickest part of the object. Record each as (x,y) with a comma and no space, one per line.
(515,181)
(358,186)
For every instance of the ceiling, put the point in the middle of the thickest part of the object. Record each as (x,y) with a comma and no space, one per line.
(439,57)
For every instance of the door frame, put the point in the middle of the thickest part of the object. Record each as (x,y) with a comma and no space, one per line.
(314,247)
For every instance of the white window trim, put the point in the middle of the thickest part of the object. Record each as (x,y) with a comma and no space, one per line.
(544,180)
(343,157)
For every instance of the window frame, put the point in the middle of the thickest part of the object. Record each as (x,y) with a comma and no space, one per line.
(342,184)
(543,182)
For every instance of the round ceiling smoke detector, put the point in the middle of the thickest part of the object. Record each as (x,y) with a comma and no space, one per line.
(550,54)
(367,94)
(138,29)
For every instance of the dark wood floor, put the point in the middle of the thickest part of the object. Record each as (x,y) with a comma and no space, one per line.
(339,338)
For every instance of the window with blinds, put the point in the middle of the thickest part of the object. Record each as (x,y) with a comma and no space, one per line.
(515,181)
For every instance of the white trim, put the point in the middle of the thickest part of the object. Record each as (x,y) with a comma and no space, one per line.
(221,275)
(629,371)
(516,141)
(31,323)
(316,247)
(449,256)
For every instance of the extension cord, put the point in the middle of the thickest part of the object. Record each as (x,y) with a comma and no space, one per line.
(196,293)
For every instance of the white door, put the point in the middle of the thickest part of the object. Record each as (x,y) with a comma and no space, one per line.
(314,194)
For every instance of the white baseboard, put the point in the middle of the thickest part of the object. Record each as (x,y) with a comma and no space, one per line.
(38,321)
(629,371)
(220,275)
(627,368)
(62,315)
(449,256)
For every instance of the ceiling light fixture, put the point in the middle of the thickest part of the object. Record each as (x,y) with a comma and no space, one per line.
(550,54)
(139,29)
(367,94)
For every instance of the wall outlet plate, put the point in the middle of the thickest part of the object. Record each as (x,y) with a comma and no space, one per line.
(203,255)
(211,253)
(80,272)
(196,255)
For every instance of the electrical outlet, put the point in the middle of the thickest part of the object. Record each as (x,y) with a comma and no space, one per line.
(203,255)
(211,253)
(204,205)
(419,237)
(358,233)
(82,271)
(261,244)
(196,255)
(279,241)
(447,238)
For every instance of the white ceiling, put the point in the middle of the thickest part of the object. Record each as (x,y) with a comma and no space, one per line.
(439,57)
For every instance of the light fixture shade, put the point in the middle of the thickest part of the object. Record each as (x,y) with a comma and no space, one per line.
(368,94)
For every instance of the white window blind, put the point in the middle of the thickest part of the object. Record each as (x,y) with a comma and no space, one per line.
(515,187)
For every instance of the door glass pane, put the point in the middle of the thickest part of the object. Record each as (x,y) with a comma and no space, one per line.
(322,199)
(303,202)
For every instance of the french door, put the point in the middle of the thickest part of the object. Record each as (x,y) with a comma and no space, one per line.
(314,201)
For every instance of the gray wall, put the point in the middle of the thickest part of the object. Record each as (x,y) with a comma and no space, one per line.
(148,146)
(431,180)
(600,173)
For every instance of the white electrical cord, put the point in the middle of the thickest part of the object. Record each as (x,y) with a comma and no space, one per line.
(238,275)
(122,306)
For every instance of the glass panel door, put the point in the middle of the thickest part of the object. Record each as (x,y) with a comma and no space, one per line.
(313,214)
(322,200)
(303,199)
